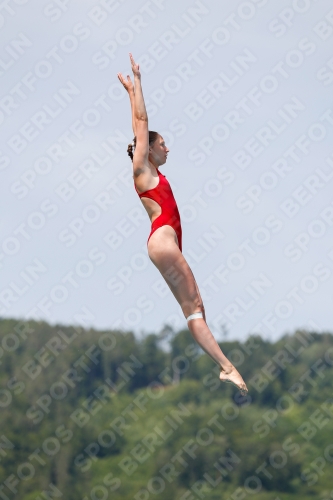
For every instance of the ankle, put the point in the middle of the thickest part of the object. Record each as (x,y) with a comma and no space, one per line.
(227,369)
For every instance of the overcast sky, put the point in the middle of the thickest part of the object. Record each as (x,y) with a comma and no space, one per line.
(241,92)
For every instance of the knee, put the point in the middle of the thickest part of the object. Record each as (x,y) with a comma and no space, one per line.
(198,302)
(199,305)
(193,306)
(197,311)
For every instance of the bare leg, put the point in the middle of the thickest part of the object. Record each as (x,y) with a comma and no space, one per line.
(203,336)
(165,254)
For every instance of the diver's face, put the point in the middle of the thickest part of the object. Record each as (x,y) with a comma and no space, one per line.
(158,151)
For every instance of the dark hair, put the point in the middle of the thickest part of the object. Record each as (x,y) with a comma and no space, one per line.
(152,138)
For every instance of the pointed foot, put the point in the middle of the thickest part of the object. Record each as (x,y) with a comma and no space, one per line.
(235,378)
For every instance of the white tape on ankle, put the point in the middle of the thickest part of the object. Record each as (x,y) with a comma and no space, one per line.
(194,316)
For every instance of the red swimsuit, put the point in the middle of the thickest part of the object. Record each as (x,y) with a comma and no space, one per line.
(163,195)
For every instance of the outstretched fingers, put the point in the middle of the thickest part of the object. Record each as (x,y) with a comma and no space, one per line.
(126,83)
(135,67)
(132,59)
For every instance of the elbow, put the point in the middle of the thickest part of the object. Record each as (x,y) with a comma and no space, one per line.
(141,118)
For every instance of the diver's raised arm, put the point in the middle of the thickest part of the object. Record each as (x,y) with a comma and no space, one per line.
(128,85)
(140,117)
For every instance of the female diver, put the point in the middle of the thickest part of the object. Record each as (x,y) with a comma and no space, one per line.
(148,152)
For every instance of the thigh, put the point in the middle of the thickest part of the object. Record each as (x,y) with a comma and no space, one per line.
(169,260)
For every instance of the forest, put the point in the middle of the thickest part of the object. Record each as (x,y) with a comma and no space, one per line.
(96,415)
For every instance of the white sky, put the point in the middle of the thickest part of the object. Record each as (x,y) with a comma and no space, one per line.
(241,92)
